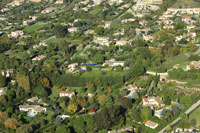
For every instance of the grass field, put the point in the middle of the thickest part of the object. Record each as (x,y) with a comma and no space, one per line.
(99,73)
(186,4)
(170,62)
(34,27)
(196,115)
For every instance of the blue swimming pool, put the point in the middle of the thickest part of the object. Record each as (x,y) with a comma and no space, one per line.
(31,115)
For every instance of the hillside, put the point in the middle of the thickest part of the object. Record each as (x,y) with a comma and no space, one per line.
(186,4)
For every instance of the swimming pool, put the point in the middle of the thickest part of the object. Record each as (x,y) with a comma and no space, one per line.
(31,115)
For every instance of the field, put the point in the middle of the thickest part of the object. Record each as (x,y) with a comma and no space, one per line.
(196,115)
(170,62)
(34,27)
(186,4)
(95,73)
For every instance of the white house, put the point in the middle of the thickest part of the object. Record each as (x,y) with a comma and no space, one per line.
(3,90)
(153,102)
(7,72)
(121,43)
(66,94)
(72,29)
(47,10)
(16,34)
(33,99)
(151,124)
(148,38)
(112,63)
(59,1)
(102,40)
(32,109)
(39,58)
(72,66)
(193,64)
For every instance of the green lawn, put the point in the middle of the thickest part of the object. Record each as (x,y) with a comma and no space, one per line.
(186,4)
(99,73)
(196,115)
(34,27)
(170,62)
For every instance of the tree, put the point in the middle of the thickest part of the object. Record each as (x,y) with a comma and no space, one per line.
(193,122)
(24,82)
(11,123)
(109,117)
(45,82)
(27,128)
(123,101)
(41,91)
(72,108)
(61,31)
(81,101)
(98,58)
(192,47)
(99,31)
(146,113)
(137,70)
(3,116)
(62,129)
(102,99)
(2,80)
(84,123)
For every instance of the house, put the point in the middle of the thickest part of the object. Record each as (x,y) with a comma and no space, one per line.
(111,2)
(193,65)
(128,129)
(179,38)
(5,9)
(152,101)
(35,0)
(59,1)
(66,94)
(148,38)
(121,42)
(168,26)
(16,34)
(132,87)
(3,90)
(187,19)
(102,40)
(112,63)
(128,20)
(89,32)
(151,124)
(168,21)
(183,11)
(15,3)
(72,66)
(190,27)
(143,22)
(39,58)
(192,34)
(47,10)
(63,117)
(7,72)
(142,31)
(36,46)
(33,99)
(43,44)
(72,29)
(158,113)
(27,22)
(107,24)
(97,2)
(32,109)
